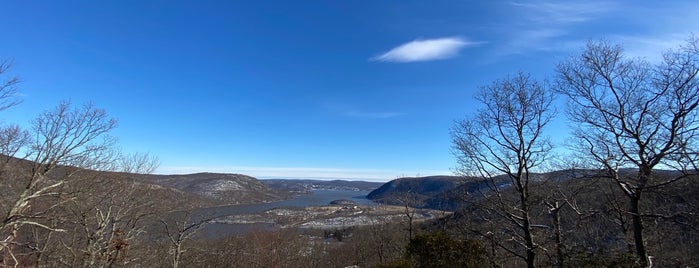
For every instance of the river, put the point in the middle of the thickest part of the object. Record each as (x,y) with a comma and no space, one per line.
(316,198)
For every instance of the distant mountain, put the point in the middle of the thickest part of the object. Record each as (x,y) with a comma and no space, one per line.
(223,188)
(304,186)
(448,192)
(190,190)
(16,172)
(424,192)
(436,192)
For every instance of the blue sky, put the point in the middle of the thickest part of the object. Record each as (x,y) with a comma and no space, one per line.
(323,89)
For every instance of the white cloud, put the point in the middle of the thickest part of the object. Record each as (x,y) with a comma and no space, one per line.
(302,172)
(424,50)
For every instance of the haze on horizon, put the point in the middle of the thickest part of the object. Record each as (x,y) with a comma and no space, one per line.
(306,89)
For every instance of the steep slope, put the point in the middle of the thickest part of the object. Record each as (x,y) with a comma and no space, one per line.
(424,192)
(434,192)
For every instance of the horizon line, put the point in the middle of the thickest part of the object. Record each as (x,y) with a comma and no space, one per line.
(313,173)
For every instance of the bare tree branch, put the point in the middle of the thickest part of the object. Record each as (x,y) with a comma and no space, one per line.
(632,114)
(503,144)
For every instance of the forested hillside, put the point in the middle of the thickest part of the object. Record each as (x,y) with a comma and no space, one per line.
(578,211)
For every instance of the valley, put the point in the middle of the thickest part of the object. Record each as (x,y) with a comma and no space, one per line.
(239,203)
(213,219)
(322,209)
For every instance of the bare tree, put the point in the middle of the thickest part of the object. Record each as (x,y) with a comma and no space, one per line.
(559,195)
(503,143)
(106,215)
(138,163)
(12,137)
(178,231)
(409,200)
(63,141)
(8,88)
(56,202)
(633,117)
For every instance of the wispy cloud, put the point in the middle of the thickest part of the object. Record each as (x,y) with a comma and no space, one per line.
(425,50)
(301,172)
(550,25)
(663,28)
(539,39)
(564,12)
(650,48)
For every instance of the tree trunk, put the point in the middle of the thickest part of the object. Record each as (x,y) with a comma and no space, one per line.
(637,223)
(527,228)
(529,239)
(558,235)
(177,255)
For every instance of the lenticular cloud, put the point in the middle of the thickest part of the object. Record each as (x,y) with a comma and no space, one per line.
(424,50)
